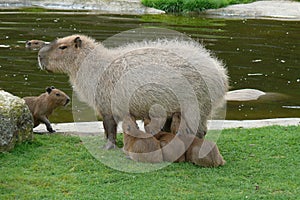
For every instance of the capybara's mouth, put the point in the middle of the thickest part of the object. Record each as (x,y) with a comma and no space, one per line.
(67,101)
(42,67)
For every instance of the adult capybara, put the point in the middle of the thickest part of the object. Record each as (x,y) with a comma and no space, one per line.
(35,44)
(138,145)
(181,76)
(41,107)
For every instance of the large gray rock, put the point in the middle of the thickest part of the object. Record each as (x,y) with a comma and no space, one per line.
(16,123)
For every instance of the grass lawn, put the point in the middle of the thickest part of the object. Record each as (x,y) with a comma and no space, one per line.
(178,6)
(185,6)
(261,164)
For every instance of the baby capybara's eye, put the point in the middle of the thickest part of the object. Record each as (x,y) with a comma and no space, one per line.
(57,94)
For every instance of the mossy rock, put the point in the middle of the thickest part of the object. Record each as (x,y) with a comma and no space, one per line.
(16,122)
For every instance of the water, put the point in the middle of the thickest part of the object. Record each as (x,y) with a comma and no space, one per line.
(260,54)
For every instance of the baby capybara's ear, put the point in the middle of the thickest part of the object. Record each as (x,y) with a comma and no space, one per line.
(77,42)
(49,89)
(52,87)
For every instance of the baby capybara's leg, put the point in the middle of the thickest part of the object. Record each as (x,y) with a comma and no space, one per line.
(45,120)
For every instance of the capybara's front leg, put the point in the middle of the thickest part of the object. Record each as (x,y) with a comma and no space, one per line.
(110,127)
(45,120)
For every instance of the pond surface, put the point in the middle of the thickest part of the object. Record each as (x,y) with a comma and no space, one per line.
(259,54)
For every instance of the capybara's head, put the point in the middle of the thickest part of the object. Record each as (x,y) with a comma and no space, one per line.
(65,55)
(57,97)
(35,44)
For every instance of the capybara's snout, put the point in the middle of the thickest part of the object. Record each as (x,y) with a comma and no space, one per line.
(67,101)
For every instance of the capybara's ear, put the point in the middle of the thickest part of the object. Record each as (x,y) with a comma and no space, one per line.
(52,87)
(48,89)
(77,42)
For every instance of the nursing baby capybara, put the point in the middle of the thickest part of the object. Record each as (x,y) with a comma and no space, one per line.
(180,147)
(201,151)
(41,107)
(173,149)
(195,150)
(179,75)
(138,145)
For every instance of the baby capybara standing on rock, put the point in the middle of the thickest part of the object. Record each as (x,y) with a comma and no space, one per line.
(41,107)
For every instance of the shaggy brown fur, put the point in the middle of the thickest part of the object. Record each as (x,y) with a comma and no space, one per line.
(201,152)
(41,107)
(173,149)
(178,125)
(184,146)
(198,151)
(138,145)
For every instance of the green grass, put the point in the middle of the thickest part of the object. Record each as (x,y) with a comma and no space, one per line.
(261,164)
(178,6)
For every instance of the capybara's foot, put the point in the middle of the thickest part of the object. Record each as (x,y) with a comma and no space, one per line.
(50,130)
(109,145)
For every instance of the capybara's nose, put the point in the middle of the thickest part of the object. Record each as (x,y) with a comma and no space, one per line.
(67,101)
(28,43)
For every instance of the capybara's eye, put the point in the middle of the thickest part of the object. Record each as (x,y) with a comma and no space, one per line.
(63,47)
(57,94)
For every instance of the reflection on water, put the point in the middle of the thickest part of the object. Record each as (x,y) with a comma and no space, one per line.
(260,54)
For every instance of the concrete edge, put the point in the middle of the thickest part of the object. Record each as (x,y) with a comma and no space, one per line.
(94,128)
